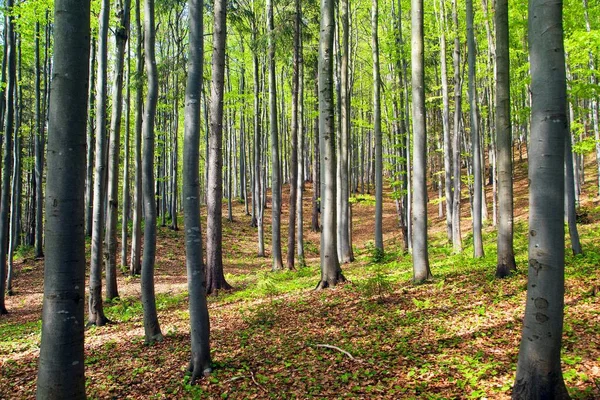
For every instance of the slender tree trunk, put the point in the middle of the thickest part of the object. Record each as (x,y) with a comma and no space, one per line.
(61,364)
(331,273)
(475,137)
(126,186)
(96,310)
(343,236)
(456,235)
(301,172)
(215,279)
(315,226)
(7,155)
(276,173)
(114,150)
(446,124)
(421,271)
(539,374)
(506,254)
(152,331)
(377,129)
(39,152)
(570,205)
(136,231)
(200,364)
(258,187)
(294,170)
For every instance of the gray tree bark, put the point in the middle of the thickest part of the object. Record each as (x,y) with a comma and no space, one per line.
(136,231)
(570,203)
(200,364)
(215,279)
(294,170)
(475,137)
(114,150)
(315,226)
(331,273)
(343,194)
(276,173)
(377,129)
(456,235)
(301,174)
(126,150)
(96,310)
(539,374)
(61,365)
(506,255)
(39,152)
(446,124)
(152,331)
(7,155)
(421,271)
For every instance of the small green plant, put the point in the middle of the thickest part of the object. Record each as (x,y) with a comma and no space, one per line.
(379,285)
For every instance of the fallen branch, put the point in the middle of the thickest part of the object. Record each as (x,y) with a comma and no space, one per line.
(328,346)
(256,383)
(235,378)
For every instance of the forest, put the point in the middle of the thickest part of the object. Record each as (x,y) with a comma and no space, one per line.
(299,199)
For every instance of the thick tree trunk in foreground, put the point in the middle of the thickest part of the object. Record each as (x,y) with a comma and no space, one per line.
(331,273)
(506,254)
(199,322)
(152,331)
(61,364)
(539,374)
(421,271)
(215,279)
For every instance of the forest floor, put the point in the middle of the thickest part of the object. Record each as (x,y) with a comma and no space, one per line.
(456,337)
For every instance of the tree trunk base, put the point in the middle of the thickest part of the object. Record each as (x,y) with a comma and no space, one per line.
(197,371)
(504,269)
(540,388)
(3,310)
(330,283)
(155,338)
(100,320)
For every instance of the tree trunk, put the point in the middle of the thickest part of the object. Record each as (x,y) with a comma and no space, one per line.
(475,137)
(456,235)
(539,374)
(377,130)
(96,310)
(276,173)
(39,152)
(446,124)
(421,271)
(315,226)
(114,150)
(301,172)
(215,279)
(506,254)
(136,231)
(200,364)
(294,170)
(7,155)
(331,273)
(126,186)
(152,331)
(61,364)
(570,204)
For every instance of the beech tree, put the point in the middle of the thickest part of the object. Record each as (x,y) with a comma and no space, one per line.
(199,321)
(421,271)
(331,272)
(61,365)
(539,374)
(215,279)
